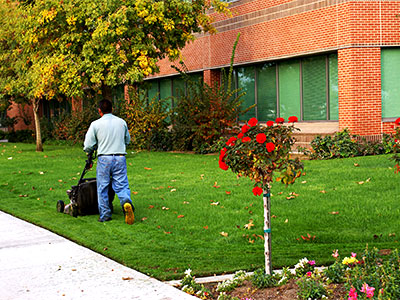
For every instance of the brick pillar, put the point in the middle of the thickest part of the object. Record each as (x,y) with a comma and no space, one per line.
(360,104)
(212,76)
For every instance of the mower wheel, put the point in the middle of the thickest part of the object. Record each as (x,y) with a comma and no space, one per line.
(60,206)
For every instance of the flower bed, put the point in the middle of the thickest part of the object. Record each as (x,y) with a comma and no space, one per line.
(372,275)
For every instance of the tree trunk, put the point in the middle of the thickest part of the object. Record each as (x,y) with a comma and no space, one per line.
(267,230)
(39,144)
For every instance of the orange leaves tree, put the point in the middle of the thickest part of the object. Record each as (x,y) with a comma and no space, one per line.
(71,46)
(258,152)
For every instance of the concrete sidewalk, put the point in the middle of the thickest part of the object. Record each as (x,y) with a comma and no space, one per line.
(38,264)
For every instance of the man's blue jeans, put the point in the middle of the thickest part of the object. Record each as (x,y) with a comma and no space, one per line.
(111,169)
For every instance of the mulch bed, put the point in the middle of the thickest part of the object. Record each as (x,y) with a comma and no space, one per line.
(284,292)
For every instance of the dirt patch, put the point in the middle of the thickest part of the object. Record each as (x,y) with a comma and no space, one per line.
(284,292)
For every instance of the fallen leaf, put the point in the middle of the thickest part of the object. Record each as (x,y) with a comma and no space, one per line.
(323,192)
(287,220)
(41,173)
(356,165)
(23,195)
(73,270)
(251,241)
(10,158)
(227,192)
(105,249)
(50,189)
(260,236)
(158,188)
(135,193)
(385,251)
(290,197)
(173,180)
(305,181)
(45,156)
(215,203)
(294,194)
(249,225)
(151,206)
(127,278)
(273,216)
(334,212)
(167,232)
(280,193)
(360,182)
(147,168)
(224,234)
(216,186)
(181,216)
(144,219)
(59,180)
(392,234)
(173,190)
(165,208)
(202,176)
(205,227)
(368,180)
(185,202)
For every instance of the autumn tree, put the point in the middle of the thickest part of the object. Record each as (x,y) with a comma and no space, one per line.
(72,45)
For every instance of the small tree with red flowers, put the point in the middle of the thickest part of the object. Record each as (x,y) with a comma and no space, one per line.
(396,149)
(258,152)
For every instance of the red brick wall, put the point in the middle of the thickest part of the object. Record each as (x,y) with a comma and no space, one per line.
(359,74)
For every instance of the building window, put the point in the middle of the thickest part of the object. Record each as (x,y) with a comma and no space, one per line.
(170,87)
(390,78)
(306,88)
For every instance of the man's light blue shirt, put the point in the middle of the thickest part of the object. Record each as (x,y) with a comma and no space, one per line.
(109,135)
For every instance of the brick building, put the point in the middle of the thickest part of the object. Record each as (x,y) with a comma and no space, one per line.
(333,63)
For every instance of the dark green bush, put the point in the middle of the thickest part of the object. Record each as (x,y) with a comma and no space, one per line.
(21,136)
(344,144)
(262,280)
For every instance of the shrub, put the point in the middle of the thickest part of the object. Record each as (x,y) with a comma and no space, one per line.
(344,144)
(147,122)
(21,136)
(262,280)
(311,288)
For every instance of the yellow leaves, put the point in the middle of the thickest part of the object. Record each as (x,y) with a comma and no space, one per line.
(169,25)
(71,20)
(249,225)
(46,16)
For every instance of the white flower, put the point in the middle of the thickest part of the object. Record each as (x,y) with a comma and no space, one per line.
(188,272)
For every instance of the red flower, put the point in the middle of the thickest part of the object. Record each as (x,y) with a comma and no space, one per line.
(240,135)
(223,165)
(257,191)
(279,120)
(222,155)
(397,122)
(253,122)
(270,123)
(246,139)
(270,147)
(245,128)
(293,119)
(261,138)
(231,141)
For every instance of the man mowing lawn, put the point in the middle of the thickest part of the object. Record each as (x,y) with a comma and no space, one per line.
(110,135)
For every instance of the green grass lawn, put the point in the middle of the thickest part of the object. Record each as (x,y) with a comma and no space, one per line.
(184,201)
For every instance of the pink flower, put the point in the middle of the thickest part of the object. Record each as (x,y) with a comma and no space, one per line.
(252,122)
(270,123)
(257,191)
(280,120)
(246,139)
(293,119)
(368,290)
(270,147)
(353,254)
(311,262)
(308,274)
(261,138)
(245,128)
(353,294)
(231,141)
(335,253)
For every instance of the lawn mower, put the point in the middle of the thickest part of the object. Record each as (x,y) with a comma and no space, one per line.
(83,196)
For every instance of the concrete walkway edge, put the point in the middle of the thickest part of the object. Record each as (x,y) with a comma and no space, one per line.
(39,265)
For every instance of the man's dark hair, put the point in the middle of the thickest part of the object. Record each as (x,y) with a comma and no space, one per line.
(105,106)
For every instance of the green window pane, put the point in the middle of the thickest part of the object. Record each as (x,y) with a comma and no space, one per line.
(289,89)
(246,82)
(118,93)
(166,91)
(152,92)
(314,88)
(390,77)
(333,87)
(266,92)
(178,87)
